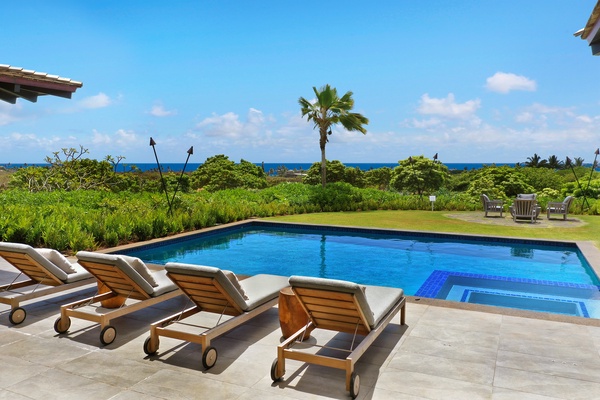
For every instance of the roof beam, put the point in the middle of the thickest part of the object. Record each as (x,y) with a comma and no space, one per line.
(53,92)
(16,91)
(9,98)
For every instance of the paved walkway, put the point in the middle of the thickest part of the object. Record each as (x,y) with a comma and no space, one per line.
(506,220)
(442,353)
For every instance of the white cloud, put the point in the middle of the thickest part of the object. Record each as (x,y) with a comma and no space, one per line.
(448,107)
(9,112)
(100,138)
(229,125)
(126,138)
(424,123)
(100,100)
(502,82)
(159,110)
(121,138)
(524,117)
(585,119)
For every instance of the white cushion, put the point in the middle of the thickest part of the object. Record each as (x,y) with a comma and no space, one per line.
(236,283)
(141,268)
(57,259)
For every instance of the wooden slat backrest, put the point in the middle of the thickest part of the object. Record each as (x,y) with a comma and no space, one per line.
(524,207)
(206,293)
(336,311)
(30,267)
(115,280)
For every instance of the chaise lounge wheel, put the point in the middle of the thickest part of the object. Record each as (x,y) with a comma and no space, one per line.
(209,357)
(62,326)
(148,348)
(354,385)
(108,335)
(17,315)
(274,376)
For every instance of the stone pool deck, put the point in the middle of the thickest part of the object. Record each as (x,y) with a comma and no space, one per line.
(506,220)
(443,352)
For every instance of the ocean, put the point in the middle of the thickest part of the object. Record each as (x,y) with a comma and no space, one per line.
(271,168)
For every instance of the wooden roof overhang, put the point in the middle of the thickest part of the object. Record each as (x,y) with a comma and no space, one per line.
(591,32)
(17,83)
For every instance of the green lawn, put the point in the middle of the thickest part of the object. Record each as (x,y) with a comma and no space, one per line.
(439,221)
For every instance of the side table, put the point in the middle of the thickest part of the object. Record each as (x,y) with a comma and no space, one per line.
(292,316)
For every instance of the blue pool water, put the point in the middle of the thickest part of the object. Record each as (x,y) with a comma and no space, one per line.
(532,275)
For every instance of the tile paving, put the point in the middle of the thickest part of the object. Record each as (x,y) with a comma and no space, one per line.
(443,352)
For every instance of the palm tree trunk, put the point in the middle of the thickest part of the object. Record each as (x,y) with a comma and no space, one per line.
(322,143)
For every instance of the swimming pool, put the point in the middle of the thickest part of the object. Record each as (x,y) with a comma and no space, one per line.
(535,275)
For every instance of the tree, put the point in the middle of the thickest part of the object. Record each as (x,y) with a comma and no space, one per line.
(335,170)
(554,163)
(330,109)
(379,178)
(536,161)
(67,171)
(419,175)
(499,182)
(219,173)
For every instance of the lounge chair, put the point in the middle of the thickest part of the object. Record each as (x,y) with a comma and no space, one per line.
(561,208)
(340,306)
(214,291)
(524,209)
(531,196)
(48,271)
(491,205)
(122,276)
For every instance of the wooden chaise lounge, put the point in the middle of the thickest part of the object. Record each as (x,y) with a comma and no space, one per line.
(47,270)
(340,306)
(119,275)
(213,290)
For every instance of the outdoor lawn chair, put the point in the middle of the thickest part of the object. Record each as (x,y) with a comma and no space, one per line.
(491,205)
(524,209)
(48,271)
(561,208)
(214,291)
(119,275)
(340,306)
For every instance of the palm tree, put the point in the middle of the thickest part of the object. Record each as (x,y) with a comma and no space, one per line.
(554,163)
(536,161)
(329,109)
(578,161)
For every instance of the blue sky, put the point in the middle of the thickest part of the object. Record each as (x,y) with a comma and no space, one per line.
(474,81)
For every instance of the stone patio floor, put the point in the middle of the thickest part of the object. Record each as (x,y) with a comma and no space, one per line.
(443,352)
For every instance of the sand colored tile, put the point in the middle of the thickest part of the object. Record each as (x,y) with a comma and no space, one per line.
(547,385)
(567,367)
(56,384)
(481,372)
(430,386)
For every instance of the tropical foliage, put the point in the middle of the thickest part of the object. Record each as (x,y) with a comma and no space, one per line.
(76,203)
(219,173)
(419,175)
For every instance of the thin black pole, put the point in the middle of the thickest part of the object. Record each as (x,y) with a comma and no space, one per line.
(578,184)
(189,153)
(153,143)
(591,173)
